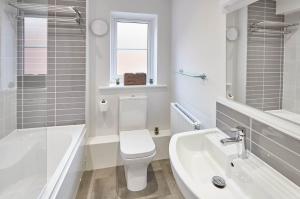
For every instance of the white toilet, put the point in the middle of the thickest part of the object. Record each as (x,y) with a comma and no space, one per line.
(136,144)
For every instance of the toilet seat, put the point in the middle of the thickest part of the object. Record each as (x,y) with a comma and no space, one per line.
(136,144)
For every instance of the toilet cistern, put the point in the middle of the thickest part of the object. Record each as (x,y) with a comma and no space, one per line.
(137,147)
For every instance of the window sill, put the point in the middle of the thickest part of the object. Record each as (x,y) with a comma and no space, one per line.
(122,87)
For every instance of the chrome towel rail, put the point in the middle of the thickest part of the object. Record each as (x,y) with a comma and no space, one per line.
(201,76)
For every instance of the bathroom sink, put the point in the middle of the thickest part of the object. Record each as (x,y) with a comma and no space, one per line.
(197,156)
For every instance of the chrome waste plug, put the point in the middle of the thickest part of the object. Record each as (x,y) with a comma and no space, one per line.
(218,182)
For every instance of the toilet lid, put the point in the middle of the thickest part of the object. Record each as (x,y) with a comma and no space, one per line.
(136,144)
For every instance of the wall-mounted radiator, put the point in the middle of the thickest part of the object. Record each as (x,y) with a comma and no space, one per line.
(182,120)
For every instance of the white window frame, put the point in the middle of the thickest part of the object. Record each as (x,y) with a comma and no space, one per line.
(124,17)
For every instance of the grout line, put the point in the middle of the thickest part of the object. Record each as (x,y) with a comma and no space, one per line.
(250,134)
(236,121)
(276,143)
(55,67)
(262,148)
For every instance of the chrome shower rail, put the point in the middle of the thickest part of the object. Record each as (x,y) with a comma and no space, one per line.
(62,13)
(55,20)
(272,24)
(270,32)
(271,27)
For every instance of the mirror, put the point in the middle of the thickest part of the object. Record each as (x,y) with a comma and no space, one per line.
(263,58)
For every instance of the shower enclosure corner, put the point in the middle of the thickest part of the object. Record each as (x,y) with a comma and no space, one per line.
(24,43)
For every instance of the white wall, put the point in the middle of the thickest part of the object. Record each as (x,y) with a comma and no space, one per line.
(198,44)
(236,55)
(233,5)
(287,6)
(99,61)
(291,81)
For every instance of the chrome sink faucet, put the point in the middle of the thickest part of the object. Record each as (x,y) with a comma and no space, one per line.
(240,136)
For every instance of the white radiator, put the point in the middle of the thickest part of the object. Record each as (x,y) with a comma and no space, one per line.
(182,120)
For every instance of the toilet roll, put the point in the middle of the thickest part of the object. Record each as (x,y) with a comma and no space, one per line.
(103,105)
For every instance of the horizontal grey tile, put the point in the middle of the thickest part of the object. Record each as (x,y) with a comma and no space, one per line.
(254,101)
(254,92)
(280,151)
(67,48)
(67,43)
(70,77)
(230,122)
(70,117)
(34,125)
(80,60)
(70,111)
(276,163)
(34,107)
(277,136)
(71,106)
(70,71)
(234,114)
(64,100)
(35,96)
(32,78)
(70,94)
(66,66)
(33,84)
(35,120)
(73,122)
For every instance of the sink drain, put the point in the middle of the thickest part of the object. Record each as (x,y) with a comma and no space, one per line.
(218,182)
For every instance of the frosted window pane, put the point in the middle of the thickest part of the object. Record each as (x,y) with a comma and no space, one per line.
(35,32)
(132,35)
(35,61)
(132,61)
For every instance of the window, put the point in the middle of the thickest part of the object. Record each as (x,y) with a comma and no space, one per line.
(133,41)
(35,46)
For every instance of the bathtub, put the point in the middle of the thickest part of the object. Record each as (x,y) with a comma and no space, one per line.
(42,162)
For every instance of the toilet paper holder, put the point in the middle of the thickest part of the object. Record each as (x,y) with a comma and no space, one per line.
(103,105)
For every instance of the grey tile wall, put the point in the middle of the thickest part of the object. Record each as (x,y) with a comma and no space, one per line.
(57,98)
(227,119)
(279,150)
(264,60)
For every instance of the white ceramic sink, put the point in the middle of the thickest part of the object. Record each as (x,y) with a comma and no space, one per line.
(197,156)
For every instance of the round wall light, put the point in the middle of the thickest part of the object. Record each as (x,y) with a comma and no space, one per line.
(232,34)
(99,27)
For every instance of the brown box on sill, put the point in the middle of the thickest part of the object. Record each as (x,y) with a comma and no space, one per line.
(135,79)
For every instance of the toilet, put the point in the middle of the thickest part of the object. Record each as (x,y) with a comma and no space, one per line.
(136,145)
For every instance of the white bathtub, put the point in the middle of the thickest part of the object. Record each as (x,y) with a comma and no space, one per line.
(42,162)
